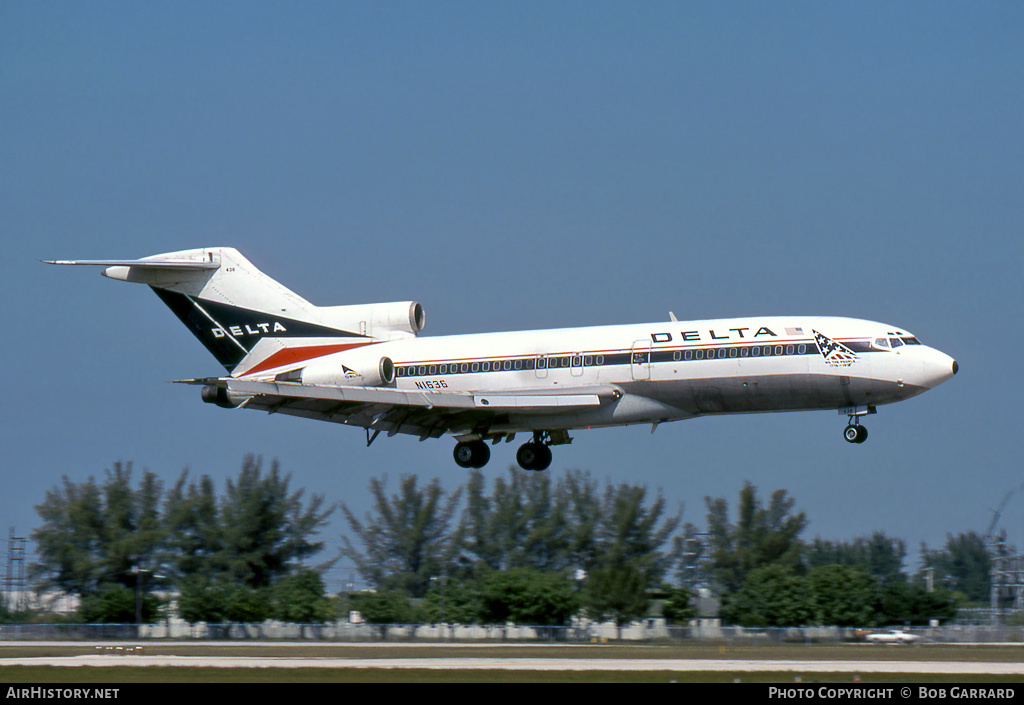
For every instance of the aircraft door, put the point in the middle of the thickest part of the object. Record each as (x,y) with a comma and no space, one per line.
(576,365)
(540,367)
(640,360)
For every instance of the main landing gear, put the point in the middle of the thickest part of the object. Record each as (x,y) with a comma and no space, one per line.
(471,454)
(534,455)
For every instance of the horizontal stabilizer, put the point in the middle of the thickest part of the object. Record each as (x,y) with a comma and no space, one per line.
(141,263)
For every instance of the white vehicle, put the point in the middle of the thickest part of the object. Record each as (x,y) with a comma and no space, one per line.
(892,636)
(365,366)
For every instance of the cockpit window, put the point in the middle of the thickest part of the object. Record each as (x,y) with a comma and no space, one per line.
(882,343)
(896,342)
(910,340)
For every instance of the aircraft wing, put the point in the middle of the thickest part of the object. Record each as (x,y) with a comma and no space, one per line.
(424,413)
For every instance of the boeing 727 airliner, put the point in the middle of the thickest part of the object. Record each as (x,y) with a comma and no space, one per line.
(364,365)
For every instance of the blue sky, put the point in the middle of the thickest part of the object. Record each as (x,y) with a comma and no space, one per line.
(520,165)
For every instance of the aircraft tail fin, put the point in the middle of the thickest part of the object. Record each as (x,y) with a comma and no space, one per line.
(231,307)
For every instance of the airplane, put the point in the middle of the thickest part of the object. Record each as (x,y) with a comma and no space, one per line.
(366,366)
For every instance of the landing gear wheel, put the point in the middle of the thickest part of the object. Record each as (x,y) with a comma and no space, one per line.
(533,456)
(471,454)
(855,433)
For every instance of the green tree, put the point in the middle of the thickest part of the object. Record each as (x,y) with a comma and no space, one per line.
(300,597)
(223,555)
(408,538)
(454,601)
(617,591)
(625,558)
(194,545)
(218,600)
(94,538)
(522,522)
(229,554)
(841,595)
(677,604)
(265,528)
(633,533)
(879,555)
(912,603)
(963,565)
(761,536)
(116,604)
(772,595)
(68,541)
(526,595)
(387,607)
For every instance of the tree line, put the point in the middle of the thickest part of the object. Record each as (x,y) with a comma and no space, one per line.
(539,550)
(237,557)
(522,547)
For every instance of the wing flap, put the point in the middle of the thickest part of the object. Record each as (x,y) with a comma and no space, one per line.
(518,400)
(355,395)
(423,413)
(524,402)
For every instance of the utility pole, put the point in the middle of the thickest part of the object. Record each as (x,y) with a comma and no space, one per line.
(14,583)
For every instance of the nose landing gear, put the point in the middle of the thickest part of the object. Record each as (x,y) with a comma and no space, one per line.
(855,433)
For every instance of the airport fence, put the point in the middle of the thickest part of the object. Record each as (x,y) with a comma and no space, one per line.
(650,631)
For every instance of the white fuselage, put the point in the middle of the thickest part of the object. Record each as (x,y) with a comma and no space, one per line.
(668,370)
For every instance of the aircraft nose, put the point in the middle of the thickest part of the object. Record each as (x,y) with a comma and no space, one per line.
(937,368)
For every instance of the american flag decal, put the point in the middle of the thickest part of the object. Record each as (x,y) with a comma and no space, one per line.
(835,353)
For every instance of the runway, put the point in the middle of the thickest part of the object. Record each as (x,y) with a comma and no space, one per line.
(528,664)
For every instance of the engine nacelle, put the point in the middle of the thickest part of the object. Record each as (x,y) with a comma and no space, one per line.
(391,320)
(359,370)
(212,394)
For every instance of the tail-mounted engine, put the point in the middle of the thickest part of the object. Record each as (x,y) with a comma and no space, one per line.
(386,321)
(212,394)
(357,369)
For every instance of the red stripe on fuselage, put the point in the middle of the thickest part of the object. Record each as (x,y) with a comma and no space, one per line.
(290,356)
